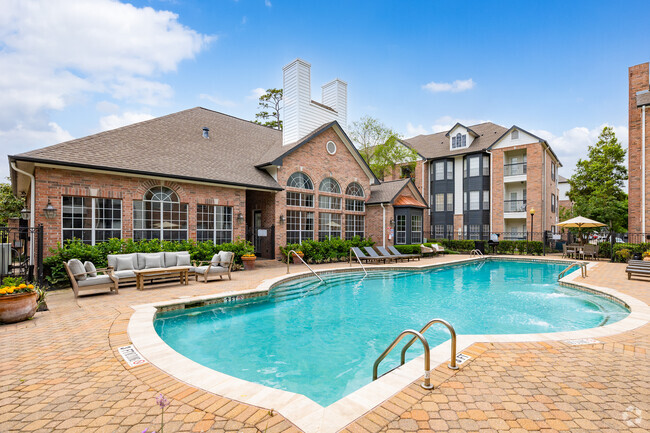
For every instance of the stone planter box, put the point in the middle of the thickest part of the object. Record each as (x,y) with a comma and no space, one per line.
(18,307)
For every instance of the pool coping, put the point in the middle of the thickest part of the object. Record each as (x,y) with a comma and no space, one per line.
(308,415)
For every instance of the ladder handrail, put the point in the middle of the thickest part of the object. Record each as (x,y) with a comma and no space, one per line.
(358,259)
(452,365)
(583,269)
(296,254)
(475,252)
(427,356)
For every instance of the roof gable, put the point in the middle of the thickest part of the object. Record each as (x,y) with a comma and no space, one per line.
(524,137)
(388,192)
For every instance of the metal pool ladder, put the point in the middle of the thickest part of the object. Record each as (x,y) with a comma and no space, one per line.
(475,252)
(296,254)
(358,259)
(427,355)
(583,269)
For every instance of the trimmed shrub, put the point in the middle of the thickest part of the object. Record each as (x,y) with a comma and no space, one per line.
(327,251)
(75,249)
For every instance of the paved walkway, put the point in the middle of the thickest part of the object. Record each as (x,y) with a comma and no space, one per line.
(61,372)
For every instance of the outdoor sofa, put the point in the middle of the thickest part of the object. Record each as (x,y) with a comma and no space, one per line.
(124,265)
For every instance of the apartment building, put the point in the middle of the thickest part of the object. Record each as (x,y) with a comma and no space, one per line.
(485,179)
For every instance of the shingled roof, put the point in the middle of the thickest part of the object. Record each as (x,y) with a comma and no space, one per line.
(173,146)
(437,145)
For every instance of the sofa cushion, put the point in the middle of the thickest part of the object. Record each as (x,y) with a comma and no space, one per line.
(112,260)
(90,267)
(216,259)
(124,274)
(183,260)
(213,270)
(171,258)
(93,281)
(151,262)
(226,258)
(76,267)
(142,259)
(124,264)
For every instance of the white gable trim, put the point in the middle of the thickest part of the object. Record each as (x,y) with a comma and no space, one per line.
(507,141)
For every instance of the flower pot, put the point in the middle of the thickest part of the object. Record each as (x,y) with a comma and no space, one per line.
(296,260)
(18,307)
(249,263)
(646,259)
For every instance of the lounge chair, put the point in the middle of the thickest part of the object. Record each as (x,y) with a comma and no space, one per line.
(372,253)
(220,265)
(438,248)
(388,255)
(360,254)
(85,277)
(396,252)
(424,250)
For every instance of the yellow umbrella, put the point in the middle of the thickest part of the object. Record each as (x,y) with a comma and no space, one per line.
(580,222)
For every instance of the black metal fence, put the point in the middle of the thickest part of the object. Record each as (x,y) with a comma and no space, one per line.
(21,253)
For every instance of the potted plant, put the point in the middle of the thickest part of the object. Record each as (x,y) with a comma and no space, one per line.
(295,259)
(249,261)
(646,256)
(19,302)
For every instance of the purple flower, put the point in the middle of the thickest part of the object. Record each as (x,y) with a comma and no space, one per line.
(162,401)
(146,430)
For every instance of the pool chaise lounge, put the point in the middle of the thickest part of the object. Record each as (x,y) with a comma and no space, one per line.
(385,253)
(363,257)
(396,252)
(638,268)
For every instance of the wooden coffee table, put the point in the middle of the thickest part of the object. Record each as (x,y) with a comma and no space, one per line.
(181,271)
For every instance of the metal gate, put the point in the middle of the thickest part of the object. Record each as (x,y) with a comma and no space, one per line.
(21,253)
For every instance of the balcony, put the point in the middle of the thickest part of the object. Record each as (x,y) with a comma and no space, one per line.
(514,209)
(515,172)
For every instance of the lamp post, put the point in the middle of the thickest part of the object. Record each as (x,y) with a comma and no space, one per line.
(532,217)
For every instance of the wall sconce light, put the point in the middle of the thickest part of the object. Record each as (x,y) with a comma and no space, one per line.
(281,219)
(392,222)
(50,211)
(240,217)
(24,214)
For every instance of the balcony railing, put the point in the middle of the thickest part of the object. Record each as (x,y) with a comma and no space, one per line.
(514,205)
(516,169)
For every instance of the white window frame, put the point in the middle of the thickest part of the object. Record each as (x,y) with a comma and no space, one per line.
(214,229)
(93,218)
(439,202)
(475,200)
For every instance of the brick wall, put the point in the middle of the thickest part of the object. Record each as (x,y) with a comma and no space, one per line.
(375,223)
(314,160)
(638,80)
(496,180)
(52,184)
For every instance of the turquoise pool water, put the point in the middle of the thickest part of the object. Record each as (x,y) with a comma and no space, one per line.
(322,340)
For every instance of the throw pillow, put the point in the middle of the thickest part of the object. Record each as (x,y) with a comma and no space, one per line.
(124,264)
(76,267)
(90,267)
(152,262)
(183,260)
(226,258)
(216,259)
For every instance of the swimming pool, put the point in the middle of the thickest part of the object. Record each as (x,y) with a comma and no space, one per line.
(321,340)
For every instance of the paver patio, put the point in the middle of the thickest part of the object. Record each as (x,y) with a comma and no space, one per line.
(61,372)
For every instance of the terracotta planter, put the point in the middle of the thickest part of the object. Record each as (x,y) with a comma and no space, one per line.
(249,263)
(296,260)
(646,259)
(19,307)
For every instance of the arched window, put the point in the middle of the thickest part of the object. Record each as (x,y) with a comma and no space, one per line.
(330,185)
(300,180)
(355,189)
(160,215)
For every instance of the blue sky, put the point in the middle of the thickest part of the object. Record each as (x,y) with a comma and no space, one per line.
(556,68)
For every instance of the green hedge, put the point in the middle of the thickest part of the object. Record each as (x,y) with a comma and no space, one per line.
(75,249)
(504,247)
(331,250)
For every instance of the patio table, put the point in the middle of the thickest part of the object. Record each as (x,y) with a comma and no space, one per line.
(182,271)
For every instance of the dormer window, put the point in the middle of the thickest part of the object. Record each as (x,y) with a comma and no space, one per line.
(460,140)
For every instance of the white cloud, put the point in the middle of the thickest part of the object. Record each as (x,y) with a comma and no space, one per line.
(256,93)
(107,107)
(55,54)
(412,130)
(572,144)
(217,100)
(267,3)
(455,87)
(127,118)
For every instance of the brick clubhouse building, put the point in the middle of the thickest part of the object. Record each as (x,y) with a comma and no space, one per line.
(639,150)
(203,175)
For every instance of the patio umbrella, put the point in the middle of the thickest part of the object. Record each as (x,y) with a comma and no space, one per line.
(580,222)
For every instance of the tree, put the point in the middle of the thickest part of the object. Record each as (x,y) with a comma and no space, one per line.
(379,145)
(10,205)
(596,187)
(270,105)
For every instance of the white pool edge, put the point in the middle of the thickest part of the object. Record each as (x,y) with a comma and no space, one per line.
(308,415)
